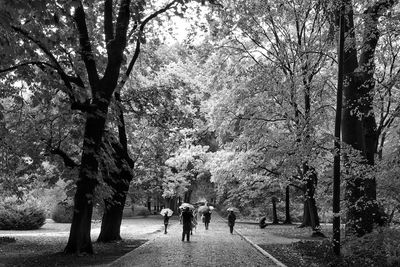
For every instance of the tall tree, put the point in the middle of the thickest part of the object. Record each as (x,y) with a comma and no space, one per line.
(359,124)
(81,47)
(288,42)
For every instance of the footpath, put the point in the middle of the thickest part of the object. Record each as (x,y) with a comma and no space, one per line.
(212,247)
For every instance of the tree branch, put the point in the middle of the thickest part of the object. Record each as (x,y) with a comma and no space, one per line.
(86,47)
(108,24)
(38,63)
(68,161)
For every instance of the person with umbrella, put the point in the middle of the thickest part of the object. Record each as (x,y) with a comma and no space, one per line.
(231,220)
(206,215)
(207,218)
(187,218)
(167,213)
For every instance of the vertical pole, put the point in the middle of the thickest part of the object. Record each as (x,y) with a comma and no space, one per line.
(338,120)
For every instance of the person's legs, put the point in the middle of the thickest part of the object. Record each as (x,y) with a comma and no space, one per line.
(188,236)
(165,231)
(231,228)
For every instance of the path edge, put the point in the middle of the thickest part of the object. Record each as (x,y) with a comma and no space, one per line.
(261,250)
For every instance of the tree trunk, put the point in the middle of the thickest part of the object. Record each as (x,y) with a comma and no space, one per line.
(187,197)
(119,181)
(359,126)
(79,238)
(274,213)
(288,219)
(310,212)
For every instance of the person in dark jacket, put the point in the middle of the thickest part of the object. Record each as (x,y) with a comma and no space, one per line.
(207,218)
(231,220)
(166,221)
(187,218)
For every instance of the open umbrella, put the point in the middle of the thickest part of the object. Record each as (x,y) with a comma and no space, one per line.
(203,209)
(167,211)
(186,205)
(233,209)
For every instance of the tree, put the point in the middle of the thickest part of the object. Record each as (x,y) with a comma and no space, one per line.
(67,42)
(283,45)
(358,121)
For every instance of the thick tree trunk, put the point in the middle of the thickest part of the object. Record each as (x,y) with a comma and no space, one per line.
(79,239)
(119,181)
(359,126)
(310,212)
(288,219)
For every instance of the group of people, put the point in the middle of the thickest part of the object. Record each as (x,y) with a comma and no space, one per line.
(188,220)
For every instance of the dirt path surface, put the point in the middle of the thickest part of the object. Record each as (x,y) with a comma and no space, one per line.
(212,247)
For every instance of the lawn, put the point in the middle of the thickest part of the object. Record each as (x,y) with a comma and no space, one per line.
(378,249)
(43,247)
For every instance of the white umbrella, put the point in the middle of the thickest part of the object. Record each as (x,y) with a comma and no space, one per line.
(211,207)
(233,209)
(203,209)
(167,211)
(186,205)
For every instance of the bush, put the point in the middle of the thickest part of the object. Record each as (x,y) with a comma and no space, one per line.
(64,211)
(379,248)
(15,216)
(140,210)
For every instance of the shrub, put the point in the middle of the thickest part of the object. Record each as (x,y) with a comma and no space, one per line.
(379,248)
(140,211)
(15,216)
(64,211)
(7,239)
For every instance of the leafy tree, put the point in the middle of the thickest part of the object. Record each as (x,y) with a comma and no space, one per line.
(81,55)
(280,89)
(359,123)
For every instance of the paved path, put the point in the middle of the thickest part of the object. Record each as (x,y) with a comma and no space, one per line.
(212,247)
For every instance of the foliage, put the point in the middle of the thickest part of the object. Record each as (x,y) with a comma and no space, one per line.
(140,210)
(379,248)
(7,239)
(63,212)
(20,216)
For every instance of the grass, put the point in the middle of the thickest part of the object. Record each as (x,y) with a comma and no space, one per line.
(317,252)
(43,247)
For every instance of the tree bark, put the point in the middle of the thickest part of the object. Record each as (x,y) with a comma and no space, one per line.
(359,126)
(288,219)
(119,180)
(79,239)
(310,212)
(274,213)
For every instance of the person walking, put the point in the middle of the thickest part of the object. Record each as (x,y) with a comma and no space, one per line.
(231,220)
(207,218)
(166,221)
(187,218)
